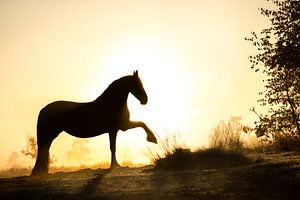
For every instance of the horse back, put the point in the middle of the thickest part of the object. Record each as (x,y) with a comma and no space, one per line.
(51,115)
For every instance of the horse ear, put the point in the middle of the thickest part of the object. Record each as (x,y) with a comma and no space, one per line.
(135,73)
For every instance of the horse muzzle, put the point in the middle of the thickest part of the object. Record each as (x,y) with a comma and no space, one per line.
(144,100)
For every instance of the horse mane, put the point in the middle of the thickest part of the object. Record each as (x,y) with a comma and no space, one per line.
(117,85)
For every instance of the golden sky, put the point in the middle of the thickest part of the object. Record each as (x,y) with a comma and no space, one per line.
(191,56)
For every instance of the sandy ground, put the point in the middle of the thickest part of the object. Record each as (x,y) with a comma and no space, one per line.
(265,177)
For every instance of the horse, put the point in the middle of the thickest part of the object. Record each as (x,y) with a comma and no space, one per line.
(106,114)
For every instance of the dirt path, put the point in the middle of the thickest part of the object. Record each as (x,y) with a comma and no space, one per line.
(274,177)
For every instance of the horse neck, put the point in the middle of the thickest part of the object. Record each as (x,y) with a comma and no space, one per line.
(116,93)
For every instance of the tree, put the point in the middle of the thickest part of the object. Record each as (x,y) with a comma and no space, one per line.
(279,59)
(30,149)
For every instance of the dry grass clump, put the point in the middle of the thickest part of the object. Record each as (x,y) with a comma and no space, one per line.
(228,135)
(203,159)
(172,156)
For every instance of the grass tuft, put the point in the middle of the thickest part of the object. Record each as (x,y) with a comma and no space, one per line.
(202,159)
(171,155)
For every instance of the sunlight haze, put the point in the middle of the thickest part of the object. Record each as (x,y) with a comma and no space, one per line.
(191,56)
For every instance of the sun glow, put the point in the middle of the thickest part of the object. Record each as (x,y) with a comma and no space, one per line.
(163,81)
(191,57)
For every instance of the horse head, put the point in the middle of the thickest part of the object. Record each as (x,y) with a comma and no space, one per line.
(137,88)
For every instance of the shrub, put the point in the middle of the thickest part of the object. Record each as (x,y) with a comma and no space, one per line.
(228,135)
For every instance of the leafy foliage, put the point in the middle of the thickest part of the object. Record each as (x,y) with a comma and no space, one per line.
(279,59)
(279,44)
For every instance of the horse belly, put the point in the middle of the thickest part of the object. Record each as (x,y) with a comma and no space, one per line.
(88,125)
(85,132)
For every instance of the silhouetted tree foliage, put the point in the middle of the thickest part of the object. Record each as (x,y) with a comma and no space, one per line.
(279,60)
(30,149)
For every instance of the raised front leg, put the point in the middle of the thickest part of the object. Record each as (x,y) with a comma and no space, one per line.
(112,142)
(150,136)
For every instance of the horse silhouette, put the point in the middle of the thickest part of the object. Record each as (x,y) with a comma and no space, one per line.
(107,114)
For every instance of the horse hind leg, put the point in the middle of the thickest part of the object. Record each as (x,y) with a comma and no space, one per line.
(42,160)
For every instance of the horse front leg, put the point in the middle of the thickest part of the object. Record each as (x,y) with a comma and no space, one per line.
(150,135)
(112,142)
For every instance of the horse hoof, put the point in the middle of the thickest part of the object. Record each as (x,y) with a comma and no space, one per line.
(39,172)
(151,138)
(115,165)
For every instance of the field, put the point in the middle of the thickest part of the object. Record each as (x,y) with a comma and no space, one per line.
(264,176)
